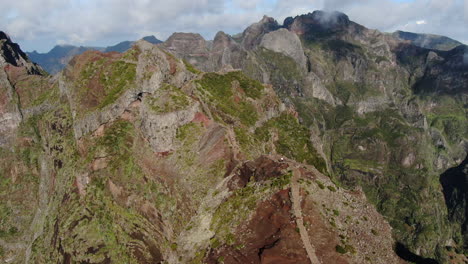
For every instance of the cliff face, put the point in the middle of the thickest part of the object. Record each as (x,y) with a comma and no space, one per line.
(384,114)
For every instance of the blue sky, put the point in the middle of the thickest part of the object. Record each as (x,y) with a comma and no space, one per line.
(41,24)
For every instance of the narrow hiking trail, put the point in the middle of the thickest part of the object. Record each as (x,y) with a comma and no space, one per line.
(296,201)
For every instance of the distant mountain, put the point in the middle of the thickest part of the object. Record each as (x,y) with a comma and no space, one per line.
(58,57)
(125,45)
(428,41)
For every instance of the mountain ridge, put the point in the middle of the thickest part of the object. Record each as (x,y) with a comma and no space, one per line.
(59,56)
(325,134)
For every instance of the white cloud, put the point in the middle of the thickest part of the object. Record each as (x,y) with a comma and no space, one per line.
(94,22)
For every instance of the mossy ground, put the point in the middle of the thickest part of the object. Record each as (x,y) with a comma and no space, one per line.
(102,81)
(231,103)
(293,140)
(168,99)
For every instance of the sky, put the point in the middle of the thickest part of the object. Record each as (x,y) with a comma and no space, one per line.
(41,24)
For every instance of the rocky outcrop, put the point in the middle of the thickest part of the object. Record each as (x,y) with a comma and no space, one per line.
(14,66)
(252,36)
(286,42)
(318,22)
(187,44)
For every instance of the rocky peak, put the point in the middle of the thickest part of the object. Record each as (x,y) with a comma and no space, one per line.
(317,21)
(4,36)
(186,43)
(222,41)
(10,52)
(221,37)
(254,33)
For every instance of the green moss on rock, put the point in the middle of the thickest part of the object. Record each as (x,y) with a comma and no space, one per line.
(293,140)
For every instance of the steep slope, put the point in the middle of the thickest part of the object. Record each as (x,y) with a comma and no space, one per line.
(59,56)
(140,158)
(384,114)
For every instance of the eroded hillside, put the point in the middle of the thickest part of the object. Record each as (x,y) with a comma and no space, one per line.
(383,113)
(141,158)
(258,148)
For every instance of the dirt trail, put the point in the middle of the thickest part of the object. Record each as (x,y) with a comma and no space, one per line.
(296,200)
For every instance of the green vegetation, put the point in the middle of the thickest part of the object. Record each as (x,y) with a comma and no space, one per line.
(168,99)
(340,249)
(220,91)
(243,202)
(293,140)
(320,184)
(116,79)
(339,48)
(345,249)
(282,181)
(345,90)
(283,68)
(102,82)
(191,68)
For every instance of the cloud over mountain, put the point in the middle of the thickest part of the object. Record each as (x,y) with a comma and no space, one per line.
(101,22)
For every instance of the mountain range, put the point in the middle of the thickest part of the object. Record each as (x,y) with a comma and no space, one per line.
(59,56)
(317,140)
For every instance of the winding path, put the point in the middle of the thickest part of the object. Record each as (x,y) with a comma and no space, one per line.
(296,201)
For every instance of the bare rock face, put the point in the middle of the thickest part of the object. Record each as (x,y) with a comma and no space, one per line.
(187,43)
(10,53)
(15,66)
(161,129)
(252,36)
(226,53)
(286,42)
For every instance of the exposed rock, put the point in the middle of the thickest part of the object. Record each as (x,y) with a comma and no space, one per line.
(189,44)
(320,21)
(252,36)
(285,42)
(161,128)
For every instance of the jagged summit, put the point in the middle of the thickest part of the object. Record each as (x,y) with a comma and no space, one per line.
(326,18)
(320,23)
(252,35)
(4,36)
(11,54)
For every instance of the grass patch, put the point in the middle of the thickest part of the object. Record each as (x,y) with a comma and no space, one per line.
(168,99)
(191,68)
(293,142)
(219,90)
